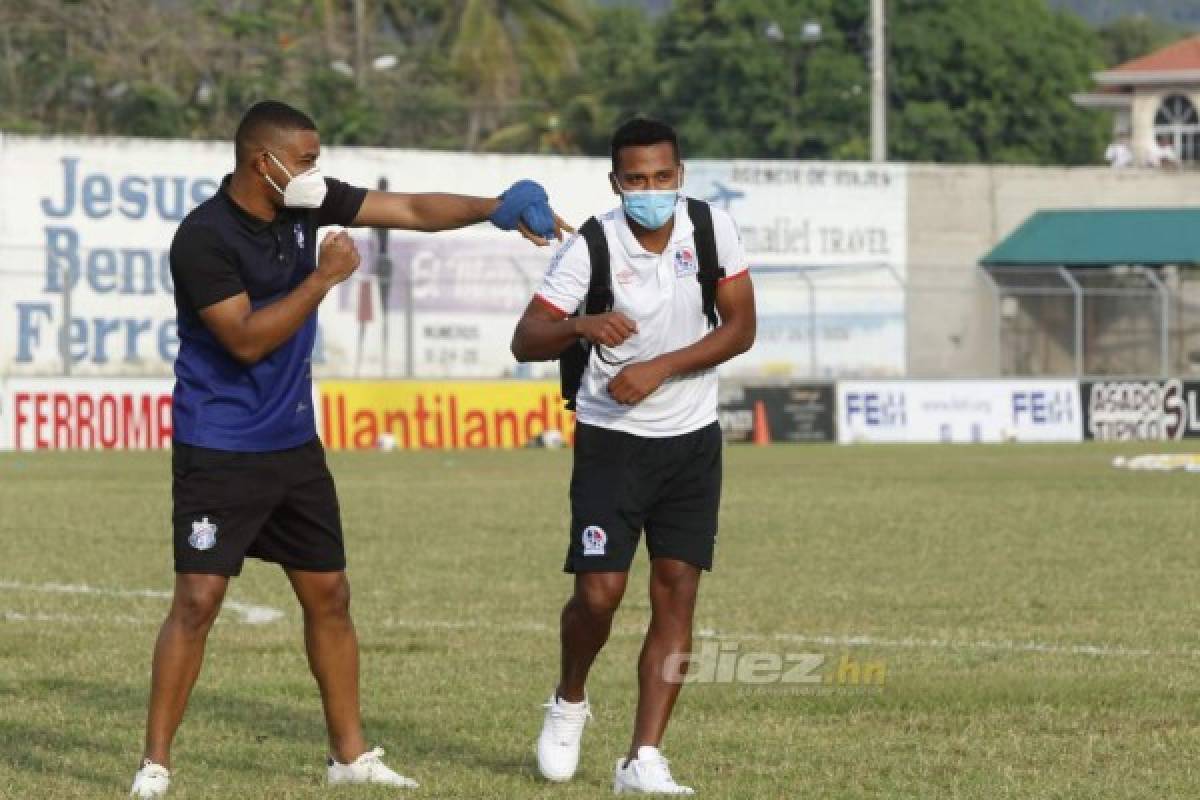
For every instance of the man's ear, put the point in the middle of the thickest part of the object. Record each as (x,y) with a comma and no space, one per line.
(261,163)
(612,181)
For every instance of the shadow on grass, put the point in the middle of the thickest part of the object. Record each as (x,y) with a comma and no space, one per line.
(115,733)
(22,745)
(81,700)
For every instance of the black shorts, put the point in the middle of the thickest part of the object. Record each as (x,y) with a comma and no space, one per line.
(280,507)
(622,484)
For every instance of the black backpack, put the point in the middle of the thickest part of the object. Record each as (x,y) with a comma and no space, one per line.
(574,360)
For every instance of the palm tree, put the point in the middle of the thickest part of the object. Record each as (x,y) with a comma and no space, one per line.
(494,41)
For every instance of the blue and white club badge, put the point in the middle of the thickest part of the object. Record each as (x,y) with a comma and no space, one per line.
(299,235)
(685,262)
(204,534)
(594,540)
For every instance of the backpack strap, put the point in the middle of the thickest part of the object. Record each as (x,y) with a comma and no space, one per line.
(573,361)
(710,271)
(600,294)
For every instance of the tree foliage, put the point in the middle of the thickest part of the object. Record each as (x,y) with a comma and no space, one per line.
(972,80)
(1126,38)
(969,80)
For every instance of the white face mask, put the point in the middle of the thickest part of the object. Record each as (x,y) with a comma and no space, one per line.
(306,190)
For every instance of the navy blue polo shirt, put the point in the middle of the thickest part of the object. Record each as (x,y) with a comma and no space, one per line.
(220,251)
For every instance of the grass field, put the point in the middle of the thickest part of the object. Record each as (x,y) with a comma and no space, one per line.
(1033,609)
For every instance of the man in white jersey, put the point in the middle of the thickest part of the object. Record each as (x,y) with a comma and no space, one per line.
(647,442)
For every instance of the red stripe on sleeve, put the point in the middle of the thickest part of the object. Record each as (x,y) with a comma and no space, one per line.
(549,305)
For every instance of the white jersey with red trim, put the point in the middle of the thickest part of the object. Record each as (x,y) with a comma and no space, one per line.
(662,295)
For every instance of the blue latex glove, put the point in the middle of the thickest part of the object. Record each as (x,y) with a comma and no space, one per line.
(525,201)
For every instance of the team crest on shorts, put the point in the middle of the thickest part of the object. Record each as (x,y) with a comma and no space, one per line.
(685,262)
(204,534)
(594,540)
(300,236)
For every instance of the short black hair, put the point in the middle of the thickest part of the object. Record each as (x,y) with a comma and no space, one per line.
(264,116)
(641,131)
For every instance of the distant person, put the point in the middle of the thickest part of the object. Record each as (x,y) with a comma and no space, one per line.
(647,441)
(1161,154)
(249,473)
(1119,154)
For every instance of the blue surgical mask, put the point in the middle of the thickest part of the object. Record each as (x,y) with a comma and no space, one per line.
(650,209)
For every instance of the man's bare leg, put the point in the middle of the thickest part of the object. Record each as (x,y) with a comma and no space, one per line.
(673,588)
(178,655)
(332,646)
(586,622)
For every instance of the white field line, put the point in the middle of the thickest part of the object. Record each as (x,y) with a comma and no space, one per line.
(916,643)
(910,643)
(20,616)
(248,613)
(258,615)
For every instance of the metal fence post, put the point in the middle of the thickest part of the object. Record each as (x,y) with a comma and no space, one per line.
(997,311)
(1164,296)
(1078,291)
(383,269)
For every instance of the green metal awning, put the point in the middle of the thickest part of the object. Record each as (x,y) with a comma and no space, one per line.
(1101,238)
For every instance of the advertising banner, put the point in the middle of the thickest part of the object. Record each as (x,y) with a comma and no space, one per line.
(417,415)
(5,432)
(795,413)
(827,244)
(959,411)
(86,225)
(86,414)
(1152,410)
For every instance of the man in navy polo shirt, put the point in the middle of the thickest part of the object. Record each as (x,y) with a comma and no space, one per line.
(249,474)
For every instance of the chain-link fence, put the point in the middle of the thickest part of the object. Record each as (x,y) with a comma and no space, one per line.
(434,312)
(1085,321)
(429,309)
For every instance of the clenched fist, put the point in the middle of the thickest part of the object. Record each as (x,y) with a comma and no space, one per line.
(337,259)
(610,329)
(636,382)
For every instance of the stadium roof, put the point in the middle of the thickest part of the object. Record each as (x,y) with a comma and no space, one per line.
(1102,238)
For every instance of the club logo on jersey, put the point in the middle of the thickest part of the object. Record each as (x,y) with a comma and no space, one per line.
(595,540)
(299,235)
(204,534)
(626,277)
(685,262)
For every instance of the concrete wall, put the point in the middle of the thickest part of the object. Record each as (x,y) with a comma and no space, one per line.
(957,214)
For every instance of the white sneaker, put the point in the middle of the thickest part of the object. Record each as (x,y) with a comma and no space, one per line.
(558,744)
(646,774)
(367,768)
(152,780)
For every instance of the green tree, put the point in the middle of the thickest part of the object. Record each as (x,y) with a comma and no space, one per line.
(108,66)
(970,80)
(739,78)
(975,80)
(576,112)
(1128,38)
(495,43)
(413,102)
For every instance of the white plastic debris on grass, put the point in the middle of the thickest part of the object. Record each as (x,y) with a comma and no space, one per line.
(1164,462)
